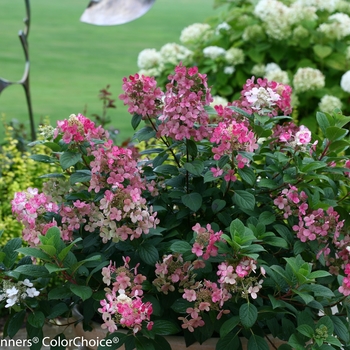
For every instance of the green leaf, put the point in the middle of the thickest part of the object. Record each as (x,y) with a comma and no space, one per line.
(257,343)
(180,247)
(248,315)
(59,293)
(322,51)
(181,305)
(59,338)
(80,176)
(51,176)
(83,292)
(57,310)
(33,252)
(266,218)
(229,325)
(52,145)
(136,120)
(36,319)
(322,121)
(68,159)
(42,158)
(10,250)
(148,253)
(54,268)
(196,167)
(166,169)
(165,327)
(67,249)
(209,177)
(276,242)
(247,174)
(15,323)
(341,328)
(333,133)
(217,205)
(306,330)
(312,166)
(32,270)
(244,199)
(48,249)
(192,201)
(191,148)
(145,134)
(230,341)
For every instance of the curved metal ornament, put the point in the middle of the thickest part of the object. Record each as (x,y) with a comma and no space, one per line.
(23,36)
(115,12)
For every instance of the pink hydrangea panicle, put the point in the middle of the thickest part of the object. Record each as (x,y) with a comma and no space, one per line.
(265,97)
(78,128)
(142,96)
(184,115)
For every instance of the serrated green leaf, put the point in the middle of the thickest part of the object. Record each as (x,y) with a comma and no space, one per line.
(180,247)
(166,169)
(83,292)
(196,167)
(36,319)
(10,251)
(80,176)
(59,293)
(244,199)
(257,343)
(229,325)
(217,205)
(333,133)
(51,268)
(32,270)
(165,327)
(68,159)
(306,330)
(148,253)
(16,323)
(192,201)
(136,120)
(248,314)
(52,145)
(42,158)
(33,252)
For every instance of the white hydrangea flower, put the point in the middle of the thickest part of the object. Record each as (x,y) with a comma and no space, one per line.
(306,79)
(229,70)
(234,56)
(11,291)
(277,18)
(329,103)
(32,292)
(345,81)
(148,58)
(174,53)
(224,26)
(213,52)
(258,70)
(123,298)
(11,301)
(279,76)
(27,283)
(152,72)
(218,100)
(195,33)
(323,5)
(270,67)
(339,27)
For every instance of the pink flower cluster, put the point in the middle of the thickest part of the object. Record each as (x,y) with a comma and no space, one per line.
(184,116)
(345,287)
(206,296)
(124,212)
(123,304)
(78,128)
(292,134)
(320,225)
(230,138)
(173,271)
(142,96)
(204,245)
(236,277)
(29,207)
(265,97)
(291,202)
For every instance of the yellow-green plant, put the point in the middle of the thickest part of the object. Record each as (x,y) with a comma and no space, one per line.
(17,172)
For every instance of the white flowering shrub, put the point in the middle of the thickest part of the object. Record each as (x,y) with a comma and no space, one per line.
(303,43)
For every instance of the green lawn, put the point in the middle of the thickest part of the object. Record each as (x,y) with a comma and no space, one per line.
(71,61)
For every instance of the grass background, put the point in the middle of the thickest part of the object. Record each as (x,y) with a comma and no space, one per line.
(71,61)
